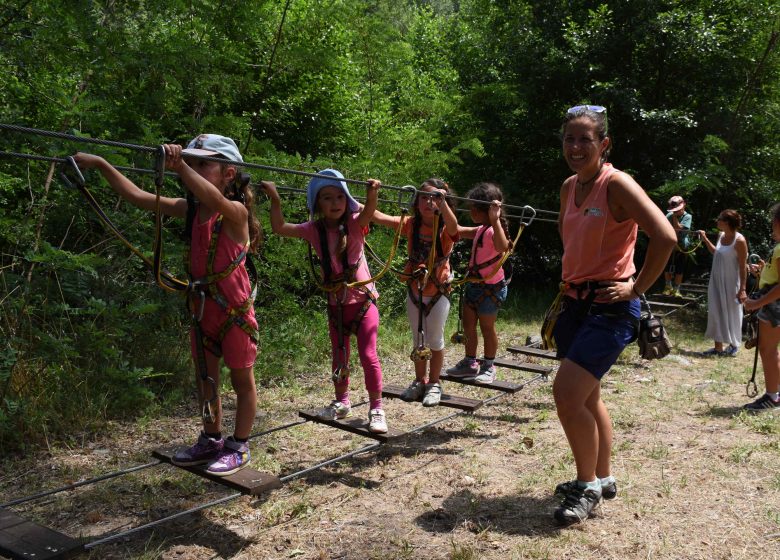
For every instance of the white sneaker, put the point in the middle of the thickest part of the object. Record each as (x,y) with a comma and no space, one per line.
(432,394)
(336,410)
(486,375)
(413,392)
(376,421)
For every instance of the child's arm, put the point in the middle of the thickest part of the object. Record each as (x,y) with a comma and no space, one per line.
(372,198)
(128,190)
(278,225)
(465,232)
(741,248)
(450,220)
(204,190)
(384,220)
(500,242)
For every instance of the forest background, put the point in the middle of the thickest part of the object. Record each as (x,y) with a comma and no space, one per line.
(399,90)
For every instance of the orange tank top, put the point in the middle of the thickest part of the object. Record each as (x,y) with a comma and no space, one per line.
(595,245)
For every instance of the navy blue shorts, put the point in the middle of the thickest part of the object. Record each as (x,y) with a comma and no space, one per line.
(594,340)
(488,306)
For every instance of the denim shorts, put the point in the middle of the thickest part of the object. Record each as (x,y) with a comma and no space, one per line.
(594,340)
(476,291)
(770,313)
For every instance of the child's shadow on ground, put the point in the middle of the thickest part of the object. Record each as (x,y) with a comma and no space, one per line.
(511,515)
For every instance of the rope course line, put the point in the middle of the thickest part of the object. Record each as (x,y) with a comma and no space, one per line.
(250,165)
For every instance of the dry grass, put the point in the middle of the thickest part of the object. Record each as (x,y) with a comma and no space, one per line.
(697,479)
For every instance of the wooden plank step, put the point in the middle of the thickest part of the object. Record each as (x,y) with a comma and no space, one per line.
(22,540)
(355,425)
(498,385)
(452,401)
(530,351)
(247,480)
(523,366)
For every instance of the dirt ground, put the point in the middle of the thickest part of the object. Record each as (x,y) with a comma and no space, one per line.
(696,478)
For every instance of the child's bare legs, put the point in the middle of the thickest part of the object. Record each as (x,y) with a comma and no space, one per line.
(470,330)
(487,324)
(437,361)
(209,391)
(243,380)
(768,339)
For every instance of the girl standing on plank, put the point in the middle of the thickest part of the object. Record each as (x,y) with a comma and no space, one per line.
(432,302)
(224,230)
(338,237)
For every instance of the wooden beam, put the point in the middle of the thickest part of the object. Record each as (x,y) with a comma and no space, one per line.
(247,480)
(355,425)
(22,540)
(536,352)
(452,401)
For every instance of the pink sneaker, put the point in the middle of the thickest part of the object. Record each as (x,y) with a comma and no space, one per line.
(234,457)
(204,451)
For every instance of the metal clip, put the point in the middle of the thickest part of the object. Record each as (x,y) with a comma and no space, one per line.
(71,165)
(340,374)
(411,193)
(208,413)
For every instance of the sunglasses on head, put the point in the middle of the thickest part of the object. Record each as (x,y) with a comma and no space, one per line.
(594,108)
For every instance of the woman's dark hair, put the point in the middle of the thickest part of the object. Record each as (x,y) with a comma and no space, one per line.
(599,119)
(241,190)
(488,192)
(732,218)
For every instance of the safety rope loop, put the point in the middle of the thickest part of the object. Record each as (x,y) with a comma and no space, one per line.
(70,165)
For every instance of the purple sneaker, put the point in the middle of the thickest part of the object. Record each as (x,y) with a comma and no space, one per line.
(234,457)
(204,451)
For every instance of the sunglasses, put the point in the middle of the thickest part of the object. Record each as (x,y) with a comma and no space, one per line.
(594,108)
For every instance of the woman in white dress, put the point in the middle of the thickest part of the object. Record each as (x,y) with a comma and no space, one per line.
(727,287)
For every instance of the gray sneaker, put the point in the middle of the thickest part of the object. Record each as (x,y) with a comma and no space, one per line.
(432,394)
(577,505)
(608,491)
(336,410)
(413,392)
(467,367)
(486,374)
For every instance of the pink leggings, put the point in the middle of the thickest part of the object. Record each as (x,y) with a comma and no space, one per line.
(366,344)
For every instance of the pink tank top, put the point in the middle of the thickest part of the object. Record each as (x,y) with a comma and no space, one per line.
(236,288)
(356,238)
(595,246)
(484,253)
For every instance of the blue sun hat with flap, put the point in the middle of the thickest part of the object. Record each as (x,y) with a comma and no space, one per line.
(317,183)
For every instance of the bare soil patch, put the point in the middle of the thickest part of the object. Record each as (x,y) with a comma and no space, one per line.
(696,478)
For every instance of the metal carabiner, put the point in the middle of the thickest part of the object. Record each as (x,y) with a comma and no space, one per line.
(71,165)
(530,210)
(408,190)
(207,412)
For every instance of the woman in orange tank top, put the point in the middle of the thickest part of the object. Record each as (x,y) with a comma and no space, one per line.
(601,210)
